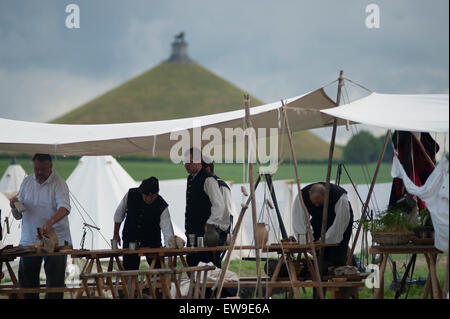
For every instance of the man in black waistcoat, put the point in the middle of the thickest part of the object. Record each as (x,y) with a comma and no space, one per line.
(205,208)
(339,223)
(146,214)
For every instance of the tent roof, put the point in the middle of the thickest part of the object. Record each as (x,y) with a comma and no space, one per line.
(112,139)
(420,113)
(97,185)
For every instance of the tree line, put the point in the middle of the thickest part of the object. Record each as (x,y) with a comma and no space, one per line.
(365,148)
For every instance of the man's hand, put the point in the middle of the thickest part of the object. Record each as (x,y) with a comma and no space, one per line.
(116,237)
(48,226)
(12,201)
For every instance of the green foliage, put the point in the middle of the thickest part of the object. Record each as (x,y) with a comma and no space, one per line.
(424,218)
(387,158)
(391,220)
(362,148)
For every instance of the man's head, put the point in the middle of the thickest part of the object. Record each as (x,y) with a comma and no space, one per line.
(149,189)
(317,194)
(42,165)
(193,161)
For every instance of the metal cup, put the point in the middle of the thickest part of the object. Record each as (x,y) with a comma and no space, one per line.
(301,239)
(113,244)
(132,245)
(192,240)
(200,242)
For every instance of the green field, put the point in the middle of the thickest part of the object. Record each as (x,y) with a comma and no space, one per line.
(140,170)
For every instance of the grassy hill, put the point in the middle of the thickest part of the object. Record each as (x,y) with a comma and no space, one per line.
(177,90)
(168,91)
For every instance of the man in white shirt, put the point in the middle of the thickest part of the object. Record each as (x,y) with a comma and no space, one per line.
(339,223)
(205,207)
(147,214)
(230,208)
(45,196)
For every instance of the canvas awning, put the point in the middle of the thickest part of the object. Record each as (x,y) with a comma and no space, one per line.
(419,113)
(114,139)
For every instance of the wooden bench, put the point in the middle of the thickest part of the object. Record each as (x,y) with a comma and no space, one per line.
(134,281)
(341,286)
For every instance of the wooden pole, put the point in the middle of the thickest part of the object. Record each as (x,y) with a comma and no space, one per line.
(327,183)
(369,195)
(252,148)
(302,203)
(219,283)
(444,295)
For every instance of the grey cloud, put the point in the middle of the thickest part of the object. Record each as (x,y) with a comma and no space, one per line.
(272,49)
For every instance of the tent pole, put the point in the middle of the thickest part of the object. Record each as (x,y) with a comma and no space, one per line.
(444,295)
(219,284)
(327,183)
(252,195)
(302,203)
(366,204)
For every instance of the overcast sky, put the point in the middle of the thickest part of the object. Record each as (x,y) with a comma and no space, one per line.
(272,49)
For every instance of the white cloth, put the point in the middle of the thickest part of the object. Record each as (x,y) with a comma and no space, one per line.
(435,195)
(230,208)
(41,202)
(218,211)
(335,232)
(406,112)
(165,222)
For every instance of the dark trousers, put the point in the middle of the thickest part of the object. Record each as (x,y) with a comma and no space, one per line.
(132,262)
(207,256)
(30,268)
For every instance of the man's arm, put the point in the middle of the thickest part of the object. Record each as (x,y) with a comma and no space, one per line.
(62,199)
(212,189)
(335,233)
(60,214)
(119,216)
(298,218)
(166,226)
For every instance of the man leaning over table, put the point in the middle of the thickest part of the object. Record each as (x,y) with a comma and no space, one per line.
(145,213)
(45,196)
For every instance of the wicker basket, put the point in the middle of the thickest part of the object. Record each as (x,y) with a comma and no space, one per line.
(389,238)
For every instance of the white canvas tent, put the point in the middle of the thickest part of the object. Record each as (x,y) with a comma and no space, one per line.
(417,113)
(112,139)
(97,185)
(11,179)
(15,230)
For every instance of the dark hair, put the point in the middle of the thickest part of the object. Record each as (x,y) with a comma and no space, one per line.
(41,157)
(210,165)
(149,186)
(195,151)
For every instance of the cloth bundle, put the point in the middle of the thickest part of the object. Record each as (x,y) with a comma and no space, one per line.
(48,241)
(346,270)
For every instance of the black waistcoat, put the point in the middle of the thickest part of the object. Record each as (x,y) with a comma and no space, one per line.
(198,205)
(221,182)
(142,222)
(335,254)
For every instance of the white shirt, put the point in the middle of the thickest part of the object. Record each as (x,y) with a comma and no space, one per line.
(435,194)
(229,207)
(165,222)
(218,211)
(41,202)
(335,233)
